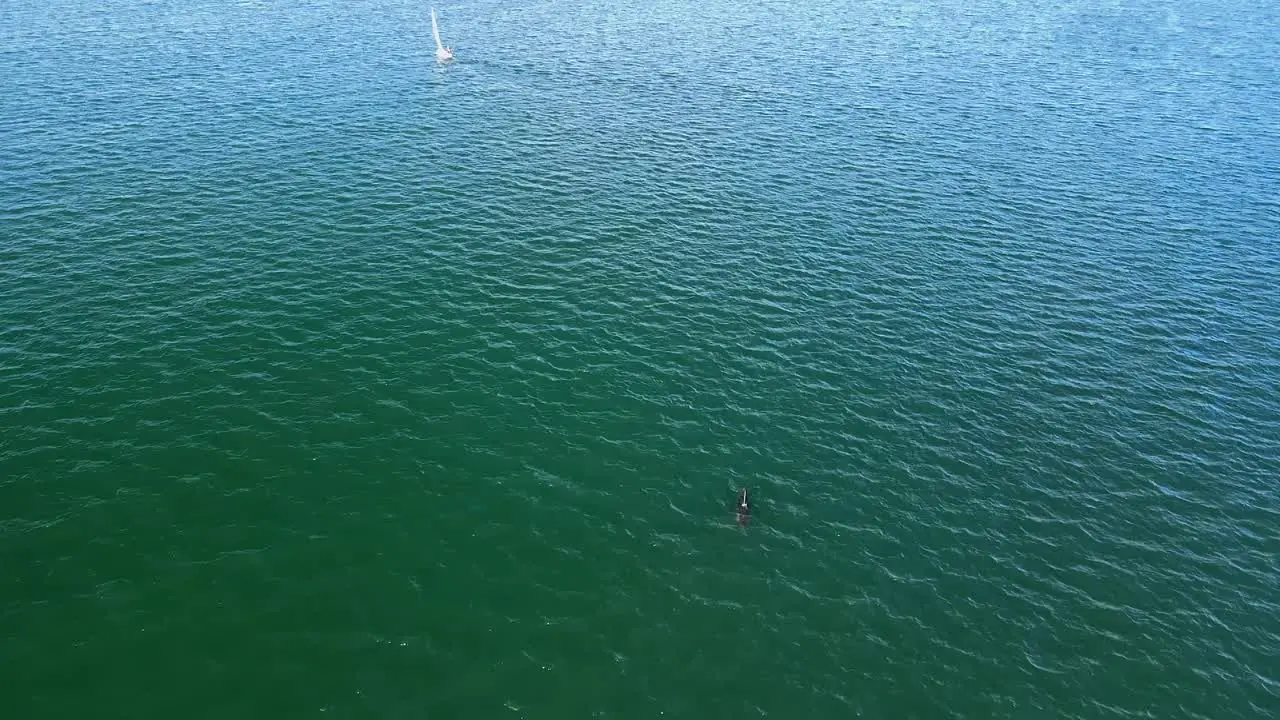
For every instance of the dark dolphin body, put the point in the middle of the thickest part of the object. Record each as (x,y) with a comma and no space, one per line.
(744,507)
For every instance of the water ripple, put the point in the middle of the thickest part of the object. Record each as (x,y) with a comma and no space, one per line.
(332,380)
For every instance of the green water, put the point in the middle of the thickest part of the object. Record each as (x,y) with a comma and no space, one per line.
(337,384)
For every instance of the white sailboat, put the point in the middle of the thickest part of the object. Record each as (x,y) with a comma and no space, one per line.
(443,54)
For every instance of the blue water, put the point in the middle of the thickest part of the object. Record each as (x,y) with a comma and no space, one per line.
(337,383)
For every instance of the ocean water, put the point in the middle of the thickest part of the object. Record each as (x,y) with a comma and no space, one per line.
(338,384)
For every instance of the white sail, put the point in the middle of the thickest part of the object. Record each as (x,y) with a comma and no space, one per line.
(435,31)
(443,54)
